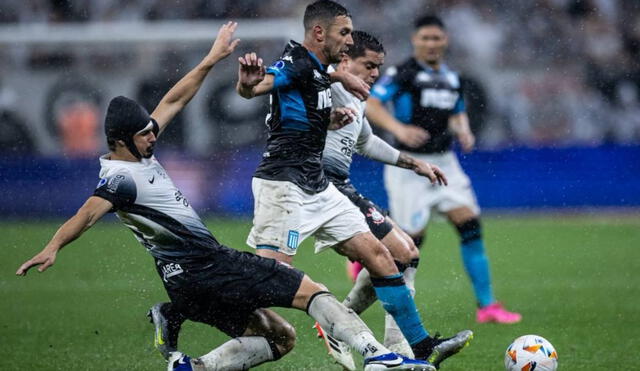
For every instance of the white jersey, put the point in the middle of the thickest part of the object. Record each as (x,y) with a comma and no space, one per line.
(354,137)
(147,201)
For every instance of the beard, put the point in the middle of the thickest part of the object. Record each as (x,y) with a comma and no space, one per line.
(149,152)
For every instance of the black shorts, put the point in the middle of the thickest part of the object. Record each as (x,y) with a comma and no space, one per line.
(223,289)
(375,216)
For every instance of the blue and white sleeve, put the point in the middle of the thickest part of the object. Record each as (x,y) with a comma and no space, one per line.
(387,86)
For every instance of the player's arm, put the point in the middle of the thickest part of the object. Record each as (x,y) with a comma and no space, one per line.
(459,126)
(182,92)
(253,80)
(352,83)
(92,210)
(373,147)
(409,135)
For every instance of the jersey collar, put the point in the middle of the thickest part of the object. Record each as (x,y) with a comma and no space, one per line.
(315,59)
(443,67)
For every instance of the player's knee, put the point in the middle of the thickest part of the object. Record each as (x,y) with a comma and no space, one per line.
(401,247)
(285,337)
(280,334)
(378,260)
(469,230)
(308,288)
(418,239)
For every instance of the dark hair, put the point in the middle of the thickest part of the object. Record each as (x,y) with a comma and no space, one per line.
(428,20)
(323,10)
(362,42)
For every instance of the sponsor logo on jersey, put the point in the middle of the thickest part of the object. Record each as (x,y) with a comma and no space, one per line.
(438,98)
(114,182)
(153,178)
(348,144)
(170,270)
(288,58)
(317,75)
(102,182)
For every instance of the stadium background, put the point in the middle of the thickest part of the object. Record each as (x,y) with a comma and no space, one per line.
(552,94)
(553,98)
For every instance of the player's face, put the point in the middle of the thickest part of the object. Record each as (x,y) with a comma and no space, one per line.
(367,67)
(145,141)
(429,44)
(338,39)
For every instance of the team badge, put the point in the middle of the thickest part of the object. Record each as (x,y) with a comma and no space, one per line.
(375,215)
(278,65)
(292,241)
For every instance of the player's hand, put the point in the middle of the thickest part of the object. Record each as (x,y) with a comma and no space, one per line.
(45,259)
(223,46)
(467,141)
(412,136)
(430,171)
(352,83)
(251,70)
(341,117)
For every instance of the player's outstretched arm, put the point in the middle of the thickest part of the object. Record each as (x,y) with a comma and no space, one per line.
(459,125)
(182,92)
(252,78)
(370,145)
(92,210)
(409,135)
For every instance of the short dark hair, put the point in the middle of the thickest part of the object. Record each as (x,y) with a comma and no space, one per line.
(428,20)
(363,41)
(323,10)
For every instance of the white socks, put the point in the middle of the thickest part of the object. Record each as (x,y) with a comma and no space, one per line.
(236,354)
(344,325)
(362,295)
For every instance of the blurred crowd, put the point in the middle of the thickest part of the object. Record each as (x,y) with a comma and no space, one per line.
(538,73)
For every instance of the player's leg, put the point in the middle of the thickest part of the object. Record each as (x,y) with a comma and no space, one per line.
(284,216)
(167,321)
(267,337)
(407,258)
(458,201)
(397,300)
(344,325)
(476,264)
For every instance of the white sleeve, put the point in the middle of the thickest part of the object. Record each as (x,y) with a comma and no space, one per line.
(370,145)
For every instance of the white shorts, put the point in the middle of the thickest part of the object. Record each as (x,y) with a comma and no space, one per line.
(284,215)
(411,196)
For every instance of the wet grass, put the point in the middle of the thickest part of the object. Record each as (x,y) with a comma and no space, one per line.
(573,278)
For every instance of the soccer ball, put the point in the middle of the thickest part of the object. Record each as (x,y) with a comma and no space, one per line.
(531,353)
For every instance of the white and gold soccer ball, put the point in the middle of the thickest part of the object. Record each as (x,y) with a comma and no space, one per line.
(531,353)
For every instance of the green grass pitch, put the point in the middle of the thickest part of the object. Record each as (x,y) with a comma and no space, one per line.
(574,279)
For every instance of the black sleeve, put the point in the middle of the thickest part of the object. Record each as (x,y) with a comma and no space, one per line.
(118,188)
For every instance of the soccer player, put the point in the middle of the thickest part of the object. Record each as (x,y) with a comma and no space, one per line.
(364,59)
(428,111)
(293,197)
(206,281)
